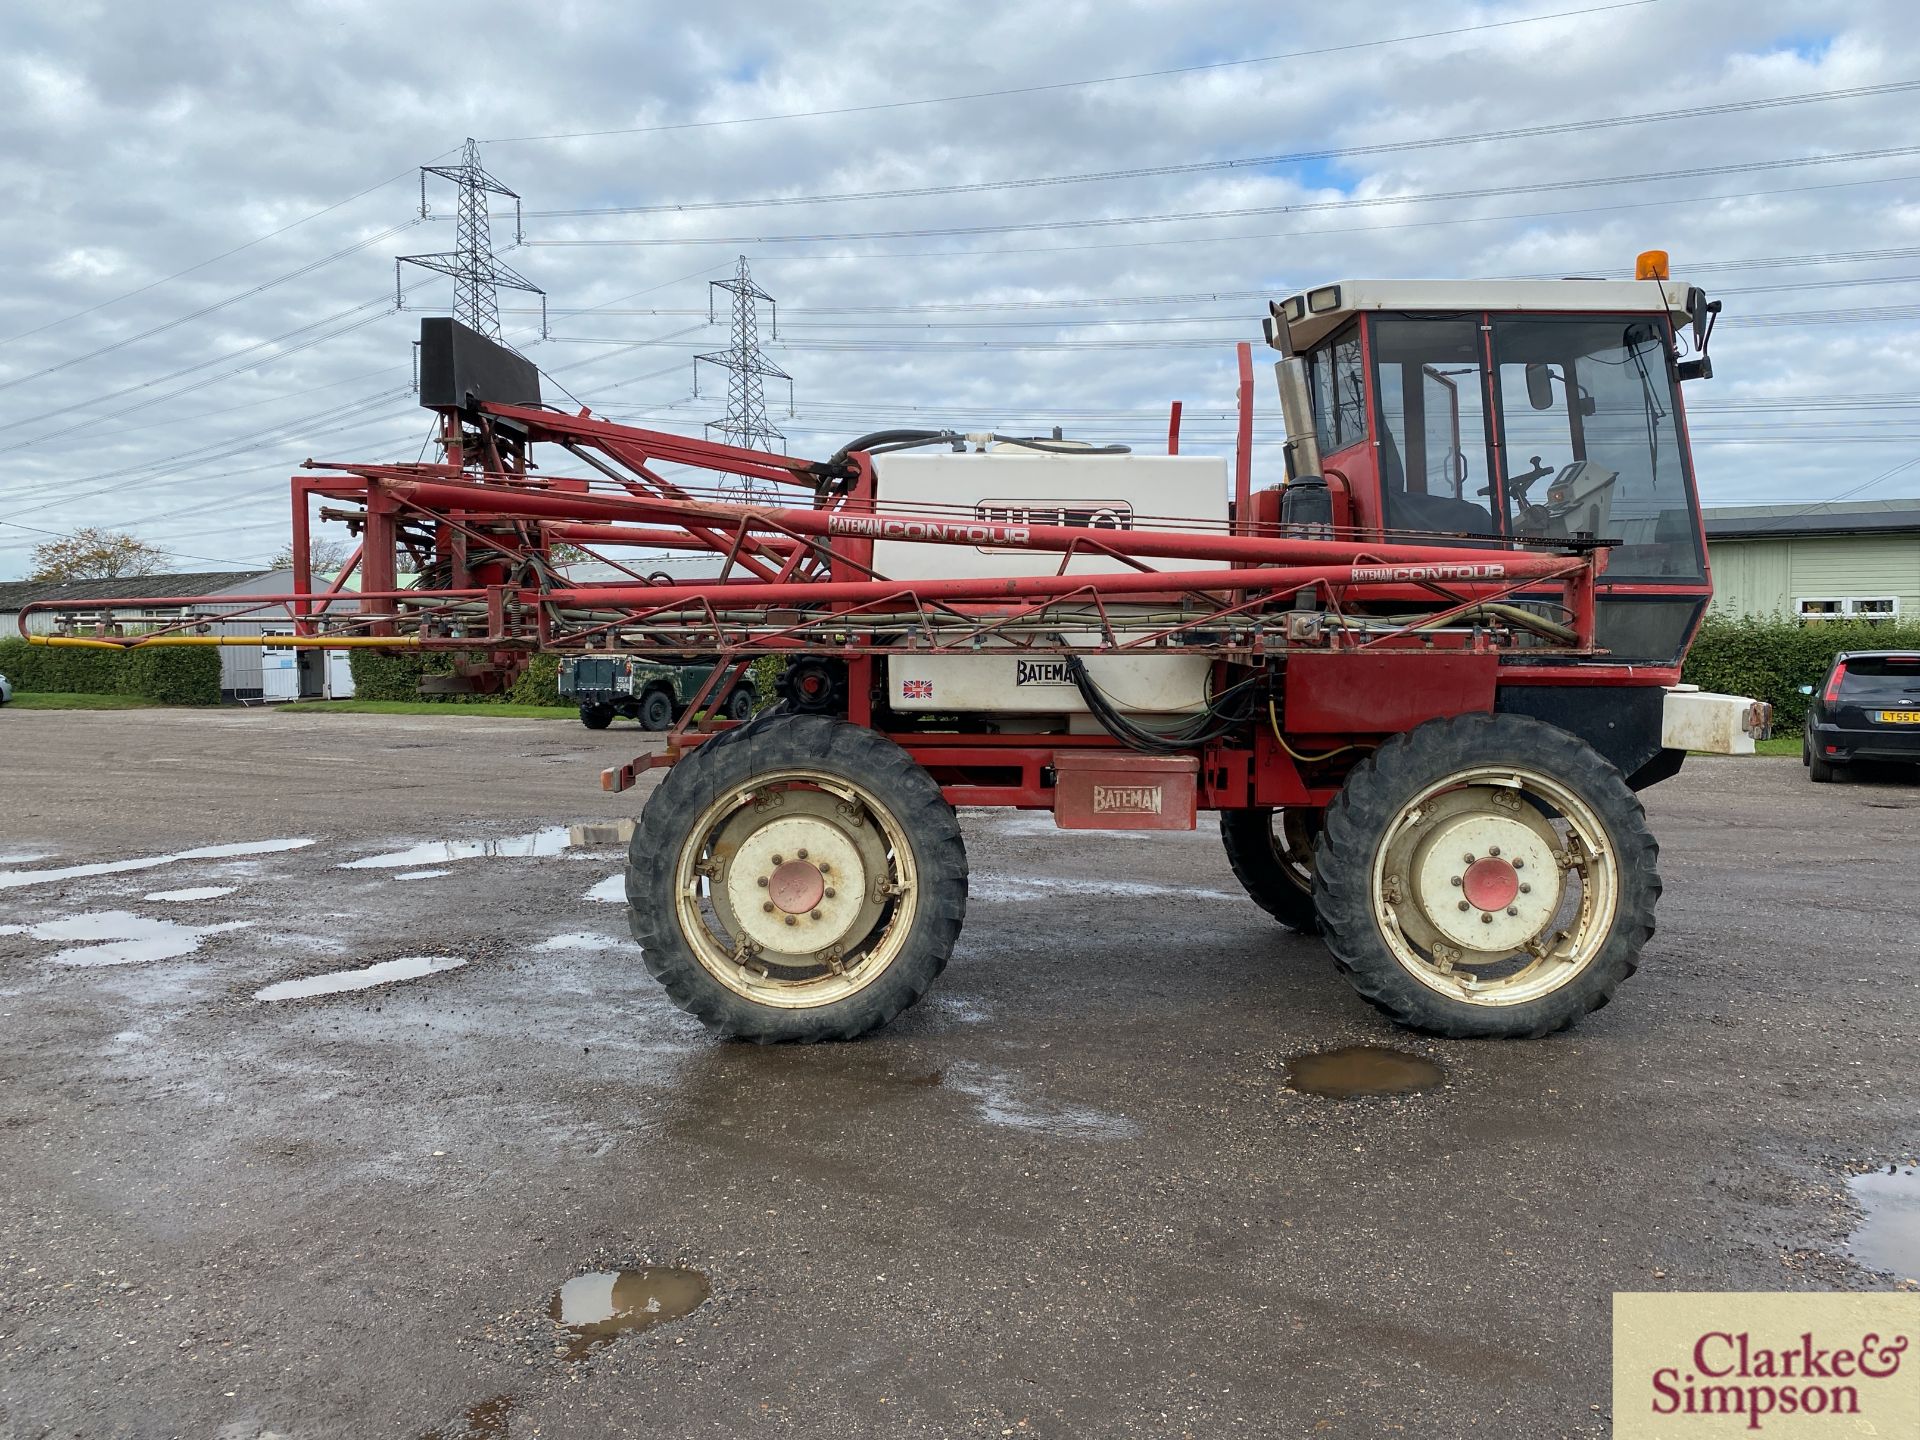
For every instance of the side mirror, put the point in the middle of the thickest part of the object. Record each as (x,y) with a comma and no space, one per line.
(1806,689)
(1539,385)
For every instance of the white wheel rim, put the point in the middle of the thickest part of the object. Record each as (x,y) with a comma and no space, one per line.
(1487,899)
(796,890)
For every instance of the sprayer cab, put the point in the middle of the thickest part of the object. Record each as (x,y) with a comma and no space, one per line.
(1534,409)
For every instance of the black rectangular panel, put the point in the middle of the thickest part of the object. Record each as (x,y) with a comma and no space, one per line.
(461,367)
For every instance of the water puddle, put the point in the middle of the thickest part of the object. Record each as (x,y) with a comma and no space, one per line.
(422,874)
(198,892)
(119,937)
(336,982)
(607,1304)
(583,940)
(1003,888)
(485,1421)
(1000,1102)
(551,841)
(25,857)
(13,879)
(612,890)
(1889,1237)
(1357,1070)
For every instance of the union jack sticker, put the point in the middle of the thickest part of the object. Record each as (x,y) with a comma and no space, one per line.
(916,689)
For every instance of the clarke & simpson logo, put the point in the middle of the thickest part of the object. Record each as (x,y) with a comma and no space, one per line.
(1783,1365)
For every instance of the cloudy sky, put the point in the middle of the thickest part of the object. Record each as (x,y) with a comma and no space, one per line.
(201,218)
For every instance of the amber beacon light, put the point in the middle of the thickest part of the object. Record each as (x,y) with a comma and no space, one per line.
(1651,265)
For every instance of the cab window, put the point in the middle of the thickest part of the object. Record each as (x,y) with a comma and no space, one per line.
(1589,440)
(1434,449)
(1339,392)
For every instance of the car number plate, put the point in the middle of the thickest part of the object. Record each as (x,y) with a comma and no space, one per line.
(1900,717)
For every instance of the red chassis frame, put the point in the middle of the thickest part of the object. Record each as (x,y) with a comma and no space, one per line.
(798,579)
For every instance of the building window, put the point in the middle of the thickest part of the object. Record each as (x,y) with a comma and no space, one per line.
(1849,607)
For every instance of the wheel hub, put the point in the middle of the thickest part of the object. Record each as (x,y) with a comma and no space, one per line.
(1486,880)
(1490,884)
(796,885)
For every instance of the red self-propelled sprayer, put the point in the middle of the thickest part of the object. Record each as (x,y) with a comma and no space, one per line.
(1420,679)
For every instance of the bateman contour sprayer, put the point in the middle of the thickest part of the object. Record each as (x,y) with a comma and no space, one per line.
(1421,680)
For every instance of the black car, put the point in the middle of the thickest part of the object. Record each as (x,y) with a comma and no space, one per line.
(1868,708)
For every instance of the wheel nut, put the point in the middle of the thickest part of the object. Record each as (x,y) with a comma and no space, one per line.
(777,860)
(1485,919)
(829,892)
(1513,910)
(1464,905)
(1469,858)
(1493,850)
(1519,864)
(825,869)
(762,882)
(814,916)
(801,854)
(792,921)
(1526,889)
(1456,880)
(767,905)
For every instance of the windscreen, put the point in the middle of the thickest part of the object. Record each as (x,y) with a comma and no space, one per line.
(1590,442)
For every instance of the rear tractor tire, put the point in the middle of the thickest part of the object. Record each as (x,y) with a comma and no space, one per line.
(796,879)
(1271,853)
(1486,876)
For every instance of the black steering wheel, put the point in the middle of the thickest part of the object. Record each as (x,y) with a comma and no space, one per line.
(1518,485)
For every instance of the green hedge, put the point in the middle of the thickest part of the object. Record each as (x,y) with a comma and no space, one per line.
(396,676)
(1771,658)
(380,675)
(168,675)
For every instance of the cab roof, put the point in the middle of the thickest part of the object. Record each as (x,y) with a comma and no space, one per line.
(1313,314)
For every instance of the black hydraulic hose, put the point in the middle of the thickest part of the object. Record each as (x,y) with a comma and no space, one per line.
(1061,447)
(835,467)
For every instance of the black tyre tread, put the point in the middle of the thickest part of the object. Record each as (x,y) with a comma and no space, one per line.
(596,717)
(1821,772)
(647,703)
(1373,793)
(772,741)
(1247,837)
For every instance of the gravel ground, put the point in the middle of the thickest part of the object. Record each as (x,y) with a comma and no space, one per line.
(1069,1195)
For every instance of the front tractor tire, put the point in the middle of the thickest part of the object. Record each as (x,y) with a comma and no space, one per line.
(1271,854)
(1486,876)
(796,879)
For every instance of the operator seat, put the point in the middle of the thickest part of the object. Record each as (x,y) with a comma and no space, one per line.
(1411,510)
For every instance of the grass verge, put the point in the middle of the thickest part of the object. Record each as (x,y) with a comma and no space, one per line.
(76,700)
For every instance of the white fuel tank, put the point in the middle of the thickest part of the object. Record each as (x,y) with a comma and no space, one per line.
(1014,485)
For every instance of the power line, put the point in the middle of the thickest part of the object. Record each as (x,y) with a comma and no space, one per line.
(1078,84)
(1225,213)
(1610,209)
(206,310)
(1691,112)
(223,255)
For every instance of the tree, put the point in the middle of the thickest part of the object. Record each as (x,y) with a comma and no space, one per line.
(323,555)
(95,554)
